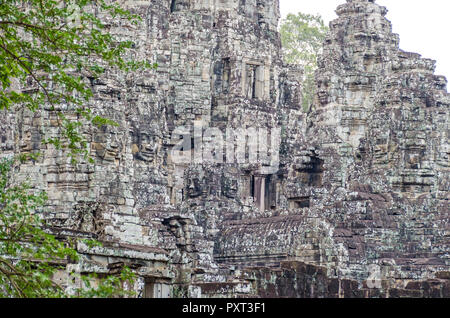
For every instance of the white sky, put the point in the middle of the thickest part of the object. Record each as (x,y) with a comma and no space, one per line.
(423,25)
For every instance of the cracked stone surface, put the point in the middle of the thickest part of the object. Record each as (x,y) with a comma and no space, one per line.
(363,179)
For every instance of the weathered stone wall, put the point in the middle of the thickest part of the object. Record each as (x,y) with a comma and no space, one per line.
(370,162)
(362,181)
(300,280)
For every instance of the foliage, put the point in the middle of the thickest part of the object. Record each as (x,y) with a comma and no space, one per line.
(51,51)
(302,37)
(30,256)
(180,291)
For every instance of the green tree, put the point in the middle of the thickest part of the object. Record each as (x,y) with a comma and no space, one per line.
(50,50)
(302,37)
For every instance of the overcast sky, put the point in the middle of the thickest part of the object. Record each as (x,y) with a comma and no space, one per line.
(423,25)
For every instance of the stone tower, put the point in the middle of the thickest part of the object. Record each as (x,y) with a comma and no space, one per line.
(360,184)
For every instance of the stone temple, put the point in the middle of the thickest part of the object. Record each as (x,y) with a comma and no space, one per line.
(357,205)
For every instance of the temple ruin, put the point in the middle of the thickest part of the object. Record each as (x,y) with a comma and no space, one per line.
(357,205)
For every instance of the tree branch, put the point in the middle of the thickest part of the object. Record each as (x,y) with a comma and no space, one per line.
(30,72)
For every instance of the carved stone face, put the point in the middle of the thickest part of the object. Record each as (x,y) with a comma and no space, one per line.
(29,139)
(146,138)
(195,187)
(323,91)
(112,148)
(229,187)
(25,142)
(145,147)
(6,132)
(107,145)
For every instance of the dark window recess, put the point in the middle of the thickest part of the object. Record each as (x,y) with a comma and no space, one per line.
(253,70)
(312,174)
(259,192)
(249,81)
(254,81)
(252,186)
(214,103)
(287,98)
(173,6)
(270,198)
(300,203)
(226,74)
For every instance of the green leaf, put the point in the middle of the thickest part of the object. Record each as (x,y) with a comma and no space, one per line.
(302,38)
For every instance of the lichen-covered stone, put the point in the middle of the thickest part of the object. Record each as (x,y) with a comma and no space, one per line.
(358,206)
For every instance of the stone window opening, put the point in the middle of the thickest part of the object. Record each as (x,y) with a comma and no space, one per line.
(173,6)
(149,290)
(270,191)
(300,203)
(179,5)
(263,190)
(172,195)
(226,75)
(254,81)
(316,172)
(252,187)
(312,173)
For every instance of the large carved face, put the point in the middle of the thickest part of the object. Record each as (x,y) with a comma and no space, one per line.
(6,133)
(25,141)
(29,139)
(323,91)
(229,187)
(107,144)
(145,146)
(194,187)
(146,138)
